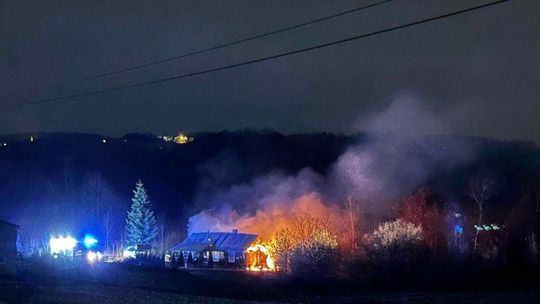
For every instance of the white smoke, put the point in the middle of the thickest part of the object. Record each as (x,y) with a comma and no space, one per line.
(405,117)
(396,161)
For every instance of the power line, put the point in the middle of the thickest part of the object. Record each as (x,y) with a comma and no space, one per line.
(226,67)
(200,51)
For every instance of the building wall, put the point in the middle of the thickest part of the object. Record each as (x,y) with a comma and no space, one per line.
(8,248)
(220,259)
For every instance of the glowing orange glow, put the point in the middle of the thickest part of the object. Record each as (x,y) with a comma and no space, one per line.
(259,258)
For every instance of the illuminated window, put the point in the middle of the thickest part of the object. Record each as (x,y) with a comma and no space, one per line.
(217,256)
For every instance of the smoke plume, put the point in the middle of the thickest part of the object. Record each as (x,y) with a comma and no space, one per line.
(399,158)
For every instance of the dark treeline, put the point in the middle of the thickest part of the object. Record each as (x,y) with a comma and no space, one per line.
(78,183)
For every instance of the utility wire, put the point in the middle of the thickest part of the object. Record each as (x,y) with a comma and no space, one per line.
(200,51)
(248,62)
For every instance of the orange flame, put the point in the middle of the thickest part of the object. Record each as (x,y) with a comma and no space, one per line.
(259,258)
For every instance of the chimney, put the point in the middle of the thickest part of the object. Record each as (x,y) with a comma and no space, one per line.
(235,231)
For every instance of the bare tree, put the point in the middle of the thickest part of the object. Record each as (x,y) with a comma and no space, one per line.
(420,209)
(108,226)
(299,231)
(95,190)
(528,212)
(172,237)
(352,211)
(162,237)
(480,190)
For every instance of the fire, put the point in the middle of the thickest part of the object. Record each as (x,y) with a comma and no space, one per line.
(259,258)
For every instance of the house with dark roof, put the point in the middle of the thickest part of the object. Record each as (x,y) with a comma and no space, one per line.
(208,249)
(8,247)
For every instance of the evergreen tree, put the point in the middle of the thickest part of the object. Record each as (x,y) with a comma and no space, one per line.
(141,225)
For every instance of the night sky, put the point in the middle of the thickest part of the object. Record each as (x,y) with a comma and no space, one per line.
(474,74)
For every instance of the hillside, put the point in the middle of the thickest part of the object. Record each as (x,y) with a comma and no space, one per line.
(40,179)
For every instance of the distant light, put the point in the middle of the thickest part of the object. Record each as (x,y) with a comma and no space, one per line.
(182,139)
(62,245)
(31,138)
(129,252)
(89,241)
(4,144)
(104,141)
(166,138)
(94,256)
(488,227)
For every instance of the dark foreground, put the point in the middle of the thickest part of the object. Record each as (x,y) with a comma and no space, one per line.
(98,293)
(114,283)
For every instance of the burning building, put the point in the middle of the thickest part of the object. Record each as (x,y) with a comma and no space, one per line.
(224,249)
(8,247)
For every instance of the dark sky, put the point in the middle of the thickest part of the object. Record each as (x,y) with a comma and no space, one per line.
(473,74)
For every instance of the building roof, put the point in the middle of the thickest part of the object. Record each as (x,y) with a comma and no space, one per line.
(218,241)
(2,222)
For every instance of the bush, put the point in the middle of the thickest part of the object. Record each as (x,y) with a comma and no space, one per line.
(394,244)
(316,255)
(305,247)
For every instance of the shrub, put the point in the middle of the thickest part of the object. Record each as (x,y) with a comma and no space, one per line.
(304,247)
(316,255)
(394,243)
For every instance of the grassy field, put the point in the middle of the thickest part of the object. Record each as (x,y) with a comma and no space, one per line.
(116,283)
(82,293)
